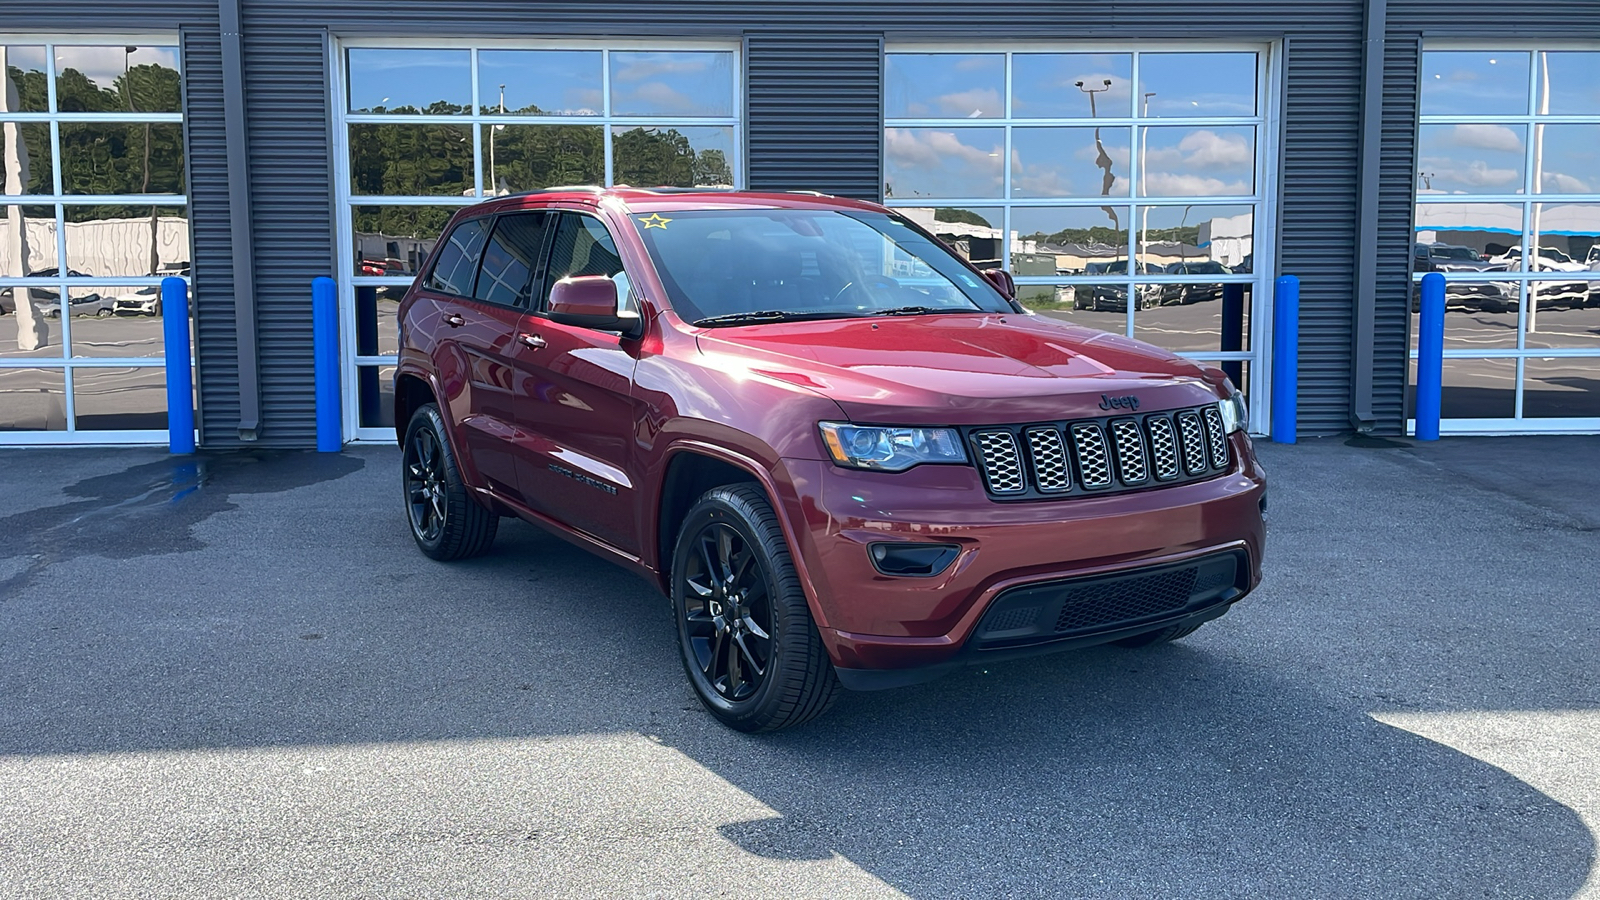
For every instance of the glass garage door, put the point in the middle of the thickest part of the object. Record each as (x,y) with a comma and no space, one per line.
(1508,209)
(95,214)
(427,128)
(1064,165)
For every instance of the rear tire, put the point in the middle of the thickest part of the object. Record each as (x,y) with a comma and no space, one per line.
(1159,636)
(447,521)
(746,636)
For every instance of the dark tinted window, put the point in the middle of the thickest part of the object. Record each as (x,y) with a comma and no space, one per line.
(458,258)
(510,258)
(582,246)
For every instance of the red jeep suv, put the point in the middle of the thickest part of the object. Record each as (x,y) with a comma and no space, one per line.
(847,456)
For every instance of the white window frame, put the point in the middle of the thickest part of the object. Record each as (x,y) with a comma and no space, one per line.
(1517,423)
(1264,201)
(345,201)
(58,200)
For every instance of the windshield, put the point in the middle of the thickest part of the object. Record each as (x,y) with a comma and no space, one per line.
(775,264)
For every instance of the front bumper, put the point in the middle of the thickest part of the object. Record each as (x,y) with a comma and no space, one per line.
(874,624)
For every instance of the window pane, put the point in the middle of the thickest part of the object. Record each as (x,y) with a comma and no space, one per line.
(118,79)
(944,86)
(33,229)
(1474,83)
(411,160)
(1477,313)
(1199,240)
(672,84)
(1071,240)
(1070,162)
(690,156)
(1197,84)
(377,321)
(510,258)
(396,240)
(24,65)
(119,321)
(1471,159)
(118,158)
(1561,388)
(1198,162)
(1568,235)
(1194,318)
(458,261)
(1565,313)
(1071,85)
(1570,83)
(1566,159)
(540,82)
(974,234)
(1472,237)
(1473,389)
(375,388)
(530,157)
(410,81)
(120,399)
(938,162)
(32,399)
(125,241)
(31,325)
(30,143)
(1100,306)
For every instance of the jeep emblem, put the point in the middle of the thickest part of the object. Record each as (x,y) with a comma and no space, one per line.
(1130,402)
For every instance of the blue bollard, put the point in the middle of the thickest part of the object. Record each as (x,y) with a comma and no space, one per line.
(1285,358)
(180,374)
(1430,358)
(325,353)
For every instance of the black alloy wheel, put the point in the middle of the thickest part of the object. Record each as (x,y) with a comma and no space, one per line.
(728,612)
(447,522)
(749,645)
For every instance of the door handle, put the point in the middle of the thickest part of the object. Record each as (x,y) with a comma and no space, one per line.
(454,320)
(532,341)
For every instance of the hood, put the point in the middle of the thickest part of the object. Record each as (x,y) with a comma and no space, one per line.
(963,369)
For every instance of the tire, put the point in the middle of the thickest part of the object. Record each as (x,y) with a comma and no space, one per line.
(730,555)
(447,521)
(102,313)
(1159,636)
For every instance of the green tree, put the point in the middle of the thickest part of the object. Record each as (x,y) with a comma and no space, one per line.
(960,216)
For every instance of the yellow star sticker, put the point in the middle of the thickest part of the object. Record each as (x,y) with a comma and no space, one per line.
(654,220)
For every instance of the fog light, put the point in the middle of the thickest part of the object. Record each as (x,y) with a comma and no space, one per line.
(914,560)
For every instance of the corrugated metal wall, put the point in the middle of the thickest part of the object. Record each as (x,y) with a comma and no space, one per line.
(813,75)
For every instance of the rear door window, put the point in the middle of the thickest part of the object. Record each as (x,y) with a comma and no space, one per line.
(511,260)
(458,259)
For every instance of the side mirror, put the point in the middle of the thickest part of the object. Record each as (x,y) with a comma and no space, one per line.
(590,301)
(1002,281)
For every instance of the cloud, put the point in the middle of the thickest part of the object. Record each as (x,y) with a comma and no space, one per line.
(1486,137)
(1205,149)
(1566,184)
(104,65)
(1175,184)
(972,103)
(663,98)
(977,63)
(643,66)
(1444,171)
(930,149)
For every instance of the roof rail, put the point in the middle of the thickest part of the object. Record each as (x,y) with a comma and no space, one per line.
(559,188)
(809,193)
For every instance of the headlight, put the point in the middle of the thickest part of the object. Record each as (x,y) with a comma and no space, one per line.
(891,449)
(1234,414)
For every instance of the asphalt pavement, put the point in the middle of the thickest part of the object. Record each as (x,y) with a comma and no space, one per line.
(234,676)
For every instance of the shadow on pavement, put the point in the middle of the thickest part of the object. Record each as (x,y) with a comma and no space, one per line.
(1241,761)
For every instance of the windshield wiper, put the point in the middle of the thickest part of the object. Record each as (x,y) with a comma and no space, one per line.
(768,315)
(920,310)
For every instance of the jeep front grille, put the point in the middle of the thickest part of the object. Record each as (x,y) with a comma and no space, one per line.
(1094,456)
(1000,462)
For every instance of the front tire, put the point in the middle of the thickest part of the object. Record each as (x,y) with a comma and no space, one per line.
(746,636)
(447,522)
